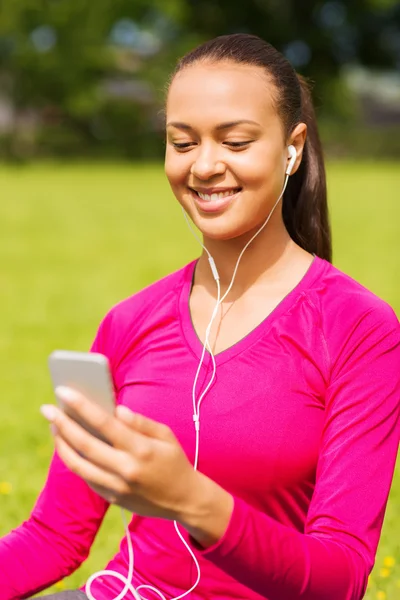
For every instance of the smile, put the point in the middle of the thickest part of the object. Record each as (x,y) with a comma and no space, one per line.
(215,202)
(217,195)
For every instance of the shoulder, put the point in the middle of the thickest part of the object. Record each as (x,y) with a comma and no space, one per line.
(147,299)
(350,315)
(343,300)
(130,313)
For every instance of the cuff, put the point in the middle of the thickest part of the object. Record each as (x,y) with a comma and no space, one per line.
(232,535)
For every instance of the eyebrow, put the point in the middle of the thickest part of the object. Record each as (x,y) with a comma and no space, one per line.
(219,127)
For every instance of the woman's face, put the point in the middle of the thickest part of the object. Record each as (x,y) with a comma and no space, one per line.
(226,153)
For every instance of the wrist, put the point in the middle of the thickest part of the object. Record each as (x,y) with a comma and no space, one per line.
(208,512)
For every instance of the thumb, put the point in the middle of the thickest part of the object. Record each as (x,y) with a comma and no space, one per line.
(142,424)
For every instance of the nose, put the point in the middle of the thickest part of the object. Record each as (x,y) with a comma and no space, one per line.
(207,163)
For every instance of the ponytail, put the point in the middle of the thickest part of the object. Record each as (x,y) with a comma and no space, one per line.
(305,207)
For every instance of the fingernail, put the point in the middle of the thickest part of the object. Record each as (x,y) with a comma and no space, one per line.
(66,394)
(125,412)
(48,411)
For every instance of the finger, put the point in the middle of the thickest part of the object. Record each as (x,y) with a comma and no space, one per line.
(98,419)
(111,486)
(97,452)
(142,424)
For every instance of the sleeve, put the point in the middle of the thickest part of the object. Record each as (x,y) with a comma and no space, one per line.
(332,558)
(59,533)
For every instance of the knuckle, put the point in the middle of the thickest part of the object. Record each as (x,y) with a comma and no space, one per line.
(167,433)
(130,472)
(144,452)
(84,446)
(103,422)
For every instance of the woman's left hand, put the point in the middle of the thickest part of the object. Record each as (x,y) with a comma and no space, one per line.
(144,469)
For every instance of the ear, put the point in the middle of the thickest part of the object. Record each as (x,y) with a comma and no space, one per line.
(298,139)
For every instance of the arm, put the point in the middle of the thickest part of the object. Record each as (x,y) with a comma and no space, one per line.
(332,558)
(57,537)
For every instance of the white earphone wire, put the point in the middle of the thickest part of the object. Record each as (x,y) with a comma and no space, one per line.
(196,418)
(196,415)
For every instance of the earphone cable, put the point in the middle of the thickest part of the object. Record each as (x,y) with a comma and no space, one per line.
(196,418)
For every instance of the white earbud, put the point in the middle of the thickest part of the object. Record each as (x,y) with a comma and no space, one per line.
(293,156)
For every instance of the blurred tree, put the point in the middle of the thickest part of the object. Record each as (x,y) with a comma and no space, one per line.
(317,37)
(57,55)
(92,73)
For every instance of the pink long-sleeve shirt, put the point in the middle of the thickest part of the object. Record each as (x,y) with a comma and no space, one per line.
(301,427)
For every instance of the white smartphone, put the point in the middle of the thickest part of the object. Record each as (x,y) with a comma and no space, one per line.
(86,372)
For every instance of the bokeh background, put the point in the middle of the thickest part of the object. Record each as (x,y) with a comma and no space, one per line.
(86,215)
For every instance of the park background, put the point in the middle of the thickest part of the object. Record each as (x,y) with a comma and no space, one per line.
(86,215)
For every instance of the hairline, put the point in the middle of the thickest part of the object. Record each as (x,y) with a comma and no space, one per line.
(214,62)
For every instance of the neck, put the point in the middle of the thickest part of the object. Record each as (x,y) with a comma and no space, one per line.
(261,262)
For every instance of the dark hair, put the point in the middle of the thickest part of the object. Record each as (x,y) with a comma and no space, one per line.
(305,209)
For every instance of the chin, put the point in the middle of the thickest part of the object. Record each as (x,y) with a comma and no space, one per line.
(231,223)
(220,228)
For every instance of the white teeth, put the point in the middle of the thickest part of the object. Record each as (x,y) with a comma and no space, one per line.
(214,197)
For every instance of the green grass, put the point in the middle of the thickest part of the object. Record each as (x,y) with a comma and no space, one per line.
(77,239)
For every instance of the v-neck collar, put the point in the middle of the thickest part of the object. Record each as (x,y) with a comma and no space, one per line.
(195,344)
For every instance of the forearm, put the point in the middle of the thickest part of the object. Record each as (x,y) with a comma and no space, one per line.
(270,558)
(207,515)
(56,538)
(32,559)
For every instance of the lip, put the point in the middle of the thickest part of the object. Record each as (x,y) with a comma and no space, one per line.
(213,206)
(214,190)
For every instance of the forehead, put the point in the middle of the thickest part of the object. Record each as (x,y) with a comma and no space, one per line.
(221,92)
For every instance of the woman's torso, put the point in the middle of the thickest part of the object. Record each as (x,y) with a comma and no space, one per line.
(261,422)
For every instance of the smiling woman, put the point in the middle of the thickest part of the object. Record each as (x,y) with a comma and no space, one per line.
(234,115)
(237,158)
(257,421)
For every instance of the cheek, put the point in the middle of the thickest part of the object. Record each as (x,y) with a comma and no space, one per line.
(256,170)
(176,168)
